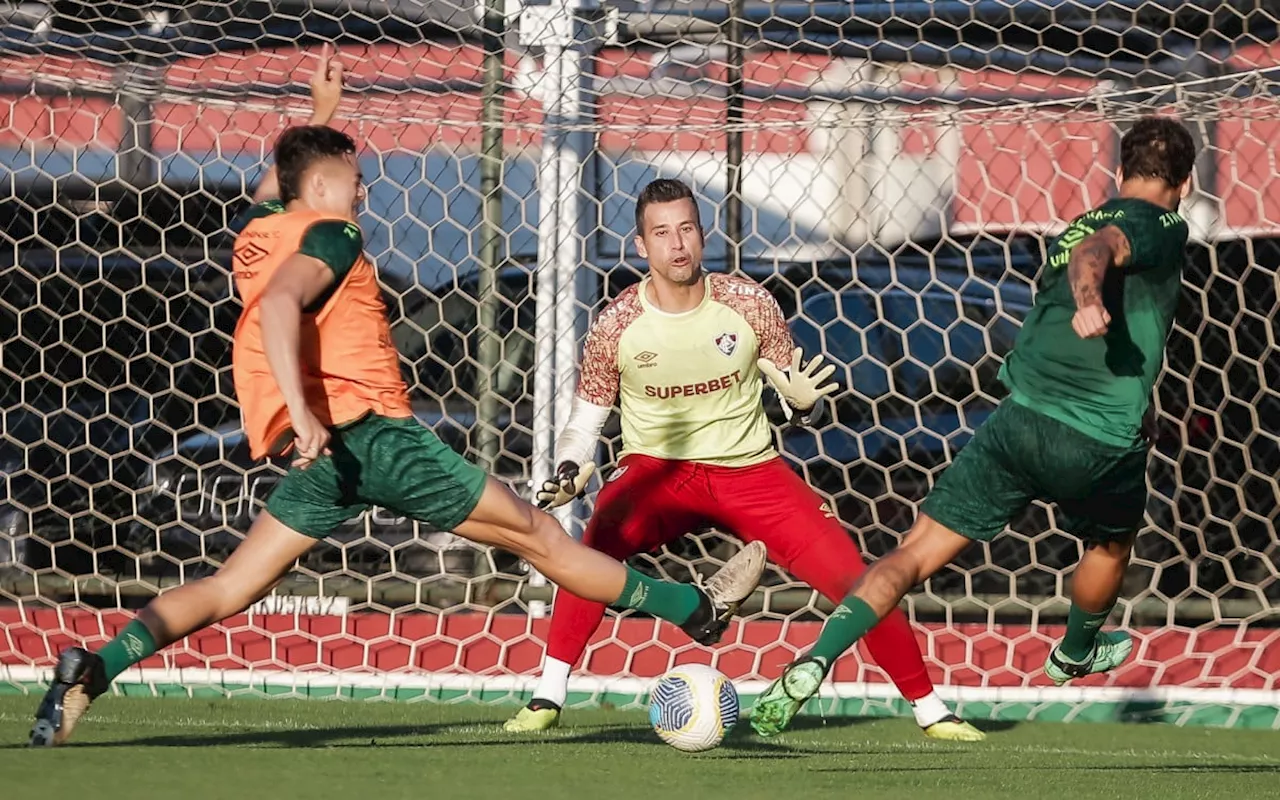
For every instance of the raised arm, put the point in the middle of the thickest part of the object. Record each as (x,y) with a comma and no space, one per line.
(326,92)
(1087,268)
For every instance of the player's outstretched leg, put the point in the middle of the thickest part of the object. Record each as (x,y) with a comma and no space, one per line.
(892,643)
(702,610)
(634,513)
(1087,650)
(266,554)
(805,538)
(926,549)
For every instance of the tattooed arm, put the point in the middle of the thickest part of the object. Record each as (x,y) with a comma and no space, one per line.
(1086,269)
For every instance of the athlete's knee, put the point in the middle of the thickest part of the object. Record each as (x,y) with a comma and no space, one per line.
(904,567)
(929,546)
(538,538)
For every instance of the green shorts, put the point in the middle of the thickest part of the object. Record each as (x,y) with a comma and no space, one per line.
(378,461)
(1019,455)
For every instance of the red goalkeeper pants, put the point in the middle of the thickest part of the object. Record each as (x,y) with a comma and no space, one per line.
(648,502)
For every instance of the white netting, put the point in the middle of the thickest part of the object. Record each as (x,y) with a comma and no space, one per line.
(899,171)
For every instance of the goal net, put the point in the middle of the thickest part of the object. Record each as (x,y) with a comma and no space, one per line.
(892,179)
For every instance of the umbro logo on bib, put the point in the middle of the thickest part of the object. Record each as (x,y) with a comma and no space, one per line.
(727,342)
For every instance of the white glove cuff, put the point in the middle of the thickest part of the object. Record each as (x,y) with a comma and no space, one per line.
(577,442)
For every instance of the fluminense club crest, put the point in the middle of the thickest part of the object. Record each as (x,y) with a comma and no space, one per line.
(727,342)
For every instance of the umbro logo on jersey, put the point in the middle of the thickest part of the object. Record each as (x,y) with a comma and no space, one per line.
(727,342)
(617,473)
(245,256)
(647,359)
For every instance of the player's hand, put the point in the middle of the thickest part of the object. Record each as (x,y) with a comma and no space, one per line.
(569,482)
(326,87)
(801,387)
(1091,322)
(310,439)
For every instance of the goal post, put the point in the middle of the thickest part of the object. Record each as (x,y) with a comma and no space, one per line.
(900,176)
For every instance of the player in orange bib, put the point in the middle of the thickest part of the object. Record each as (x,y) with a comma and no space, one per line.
(687,354)
(316,375)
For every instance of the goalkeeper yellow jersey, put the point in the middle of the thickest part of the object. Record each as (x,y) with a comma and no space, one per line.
(687,384)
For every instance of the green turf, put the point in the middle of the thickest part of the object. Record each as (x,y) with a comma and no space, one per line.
(282,749)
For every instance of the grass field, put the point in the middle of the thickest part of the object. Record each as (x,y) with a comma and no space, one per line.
(283,749)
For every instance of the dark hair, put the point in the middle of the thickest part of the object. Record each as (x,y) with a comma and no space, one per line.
(300,147)
(663,190)
(1158,147)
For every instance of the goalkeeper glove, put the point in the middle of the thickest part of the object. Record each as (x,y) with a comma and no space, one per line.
(569,482)
(800,388)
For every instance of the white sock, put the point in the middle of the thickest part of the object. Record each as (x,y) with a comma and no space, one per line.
(553,686)
(930,709)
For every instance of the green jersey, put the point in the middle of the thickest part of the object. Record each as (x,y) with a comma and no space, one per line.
(1102,386)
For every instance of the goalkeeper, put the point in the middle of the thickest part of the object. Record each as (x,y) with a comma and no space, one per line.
(686,351)
(315,373)
(1080,377)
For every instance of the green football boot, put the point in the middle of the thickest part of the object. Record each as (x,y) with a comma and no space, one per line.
(1109,651)
(785,697)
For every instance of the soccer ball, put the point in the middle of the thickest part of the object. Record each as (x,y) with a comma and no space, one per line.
(692,707)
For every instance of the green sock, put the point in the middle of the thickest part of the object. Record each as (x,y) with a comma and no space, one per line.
(674,602)
(847,624)
(1082,631)
(133,644)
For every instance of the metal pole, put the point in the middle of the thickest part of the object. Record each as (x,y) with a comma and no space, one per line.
(565,36)
(136,162)
(574,152)
(733,139)
(491,163)
(140,79)
(541,469)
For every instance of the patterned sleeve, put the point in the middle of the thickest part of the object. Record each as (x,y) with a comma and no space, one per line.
(761,311)
(598,376)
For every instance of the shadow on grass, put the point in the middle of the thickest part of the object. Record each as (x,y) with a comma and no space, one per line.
(1254,769)
(306,738)
(1186,769)
(812,723)
(741,742)
(378,736)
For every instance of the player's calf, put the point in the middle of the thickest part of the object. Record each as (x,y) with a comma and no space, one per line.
(1085,649)
(250,572)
